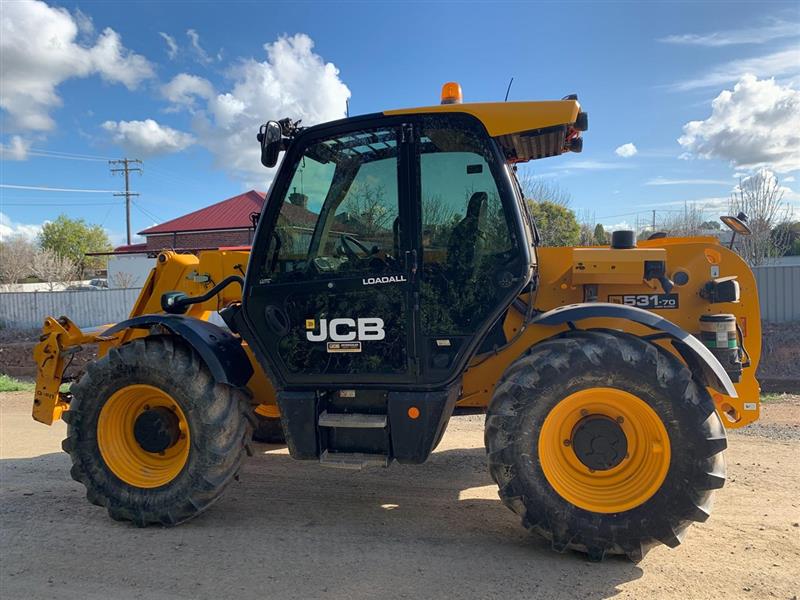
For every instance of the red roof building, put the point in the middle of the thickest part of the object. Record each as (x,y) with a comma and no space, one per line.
(226,223)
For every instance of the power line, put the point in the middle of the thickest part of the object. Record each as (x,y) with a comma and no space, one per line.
(126,170)
(52,189)
(59,204)
(58,153)
(147,213)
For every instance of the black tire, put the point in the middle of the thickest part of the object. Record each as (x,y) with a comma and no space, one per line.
(268,430)
(556,368)
(217,417)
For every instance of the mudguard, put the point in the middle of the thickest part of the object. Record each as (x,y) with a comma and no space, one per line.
(699,358)
(219,349)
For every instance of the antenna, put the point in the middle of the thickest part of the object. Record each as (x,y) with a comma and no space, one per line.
(508,89)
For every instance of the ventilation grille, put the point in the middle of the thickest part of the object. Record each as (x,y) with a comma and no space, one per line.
(537,143)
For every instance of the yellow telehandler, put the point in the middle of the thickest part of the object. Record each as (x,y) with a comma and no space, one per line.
(395,274)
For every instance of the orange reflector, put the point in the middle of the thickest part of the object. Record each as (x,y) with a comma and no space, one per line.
(413,412)
(451,93)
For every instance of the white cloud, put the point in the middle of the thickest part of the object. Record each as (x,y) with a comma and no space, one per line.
(185,88)
(147,138)
(198,51)
(789,179)
(39,50)
(9,228)
(783,62)
(773,30)
(172,45)
(589,165)
(626,150)
(756,124)
(666,181)
(16,149)
(293,82)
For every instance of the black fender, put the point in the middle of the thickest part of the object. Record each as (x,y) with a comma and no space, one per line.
(703,364)
(220,350)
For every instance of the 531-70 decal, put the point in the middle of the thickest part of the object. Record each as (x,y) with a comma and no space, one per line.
(646,300)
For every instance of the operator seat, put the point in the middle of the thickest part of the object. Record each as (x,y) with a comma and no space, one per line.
(466,239)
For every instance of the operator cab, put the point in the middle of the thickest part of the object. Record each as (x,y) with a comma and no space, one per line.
(393,242)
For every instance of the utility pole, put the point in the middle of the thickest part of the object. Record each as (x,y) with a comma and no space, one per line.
(654,221)
(126,169)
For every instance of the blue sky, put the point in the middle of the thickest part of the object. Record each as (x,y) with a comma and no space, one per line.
(183,85)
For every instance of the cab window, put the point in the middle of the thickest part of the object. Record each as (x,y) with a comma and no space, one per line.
(339,217)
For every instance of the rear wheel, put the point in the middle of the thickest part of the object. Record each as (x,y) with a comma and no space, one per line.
(151,435)
(603,443)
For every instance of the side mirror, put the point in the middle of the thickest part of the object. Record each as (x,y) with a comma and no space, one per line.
(270,138)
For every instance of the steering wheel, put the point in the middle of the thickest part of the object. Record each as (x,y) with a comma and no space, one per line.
(348,242)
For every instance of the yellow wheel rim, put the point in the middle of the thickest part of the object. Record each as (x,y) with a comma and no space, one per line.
(625,485)
(120,448)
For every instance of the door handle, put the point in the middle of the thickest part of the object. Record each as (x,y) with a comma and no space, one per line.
(276,319)
(411,262)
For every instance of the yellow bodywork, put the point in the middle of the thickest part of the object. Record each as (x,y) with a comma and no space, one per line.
(563,274)
(505,118)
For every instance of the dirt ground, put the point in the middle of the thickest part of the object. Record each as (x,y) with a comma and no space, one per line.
(297,530)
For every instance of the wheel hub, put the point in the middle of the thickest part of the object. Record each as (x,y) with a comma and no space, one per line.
(156,429)
(599,442)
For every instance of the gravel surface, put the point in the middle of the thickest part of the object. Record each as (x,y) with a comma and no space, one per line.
(780,419)
(292,529)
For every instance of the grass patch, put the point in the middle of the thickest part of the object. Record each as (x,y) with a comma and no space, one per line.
(9,384)
(775,397)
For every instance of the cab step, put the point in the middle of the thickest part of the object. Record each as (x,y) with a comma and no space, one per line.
(352,420)
(352,460)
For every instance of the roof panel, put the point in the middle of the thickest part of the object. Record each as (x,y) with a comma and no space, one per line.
(233,213)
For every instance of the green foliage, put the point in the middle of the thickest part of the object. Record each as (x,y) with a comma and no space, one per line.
(787,235)
(600,235)
(73,238)
(710,225)
(9,384)
(557,224)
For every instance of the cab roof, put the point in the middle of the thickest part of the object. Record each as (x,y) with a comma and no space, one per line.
(525,130)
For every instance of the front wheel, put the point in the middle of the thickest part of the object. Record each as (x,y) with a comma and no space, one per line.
(151,435)
(603,443)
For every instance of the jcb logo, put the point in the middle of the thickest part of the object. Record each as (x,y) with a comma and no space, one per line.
(346,330)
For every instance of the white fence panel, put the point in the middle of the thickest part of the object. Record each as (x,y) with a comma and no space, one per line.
(87,308)
(779,292)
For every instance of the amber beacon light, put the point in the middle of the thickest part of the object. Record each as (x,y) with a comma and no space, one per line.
(451,93)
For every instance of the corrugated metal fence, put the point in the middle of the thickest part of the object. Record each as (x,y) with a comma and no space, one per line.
(87,308)
(779,292)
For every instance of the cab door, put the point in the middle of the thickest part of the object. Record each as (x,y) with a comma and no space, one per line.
(473,252)
(329,291)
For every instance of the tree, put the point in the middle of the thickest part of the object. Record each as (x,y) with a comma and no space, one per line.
(73,238)
(556,223)
(586,235)
(710,225)
(685,223)
(600,235)
(123,279)
(540,190)
(788,235)
(16,259)
(760,197)
(53,268)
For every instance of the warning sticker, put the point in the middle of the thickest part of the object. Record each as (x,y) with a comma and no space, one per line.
(344,346)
